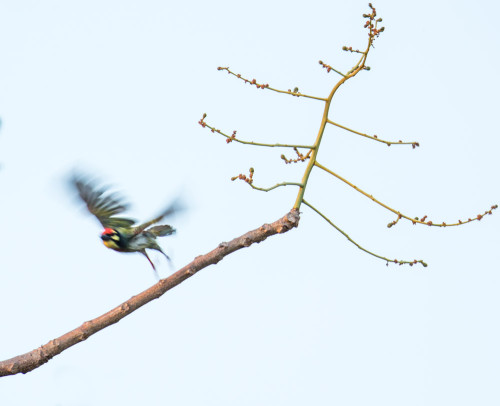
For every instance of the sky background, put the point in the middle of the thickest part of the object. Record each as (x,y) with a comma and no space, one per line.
(115,89)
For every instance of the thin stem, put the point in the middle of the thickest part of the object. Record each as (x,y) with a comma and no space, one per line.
(329,68)
(361,60)
(359,246)
(275,186)
(296,94)
(336,71)
(266,86)
(259,144)
(399,214)
(375,138)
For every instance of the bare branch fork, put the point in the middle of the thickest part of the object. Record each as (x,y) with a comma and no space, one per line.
(310,156)
(27,362)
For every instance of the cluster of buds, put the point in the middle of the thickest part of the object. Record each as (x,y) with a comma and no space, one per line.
(443,224)
(202,120)
(215,130)
(248,179)
(480,216)
(349,49)
(413,145)
(389,143)
(294,92)
(232,137)
(411,263)
(326,66)
(300,157)
(393,223)
(374,31)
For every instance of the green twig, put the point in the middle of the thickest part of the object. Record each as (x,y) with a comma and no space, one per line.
(396,261)
(231,138)
(275,186)
(401,215)
(374,137)
(329,68)
(266,86)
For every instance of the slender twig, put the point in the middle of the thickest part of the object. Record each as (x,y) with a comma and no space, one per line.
(375,138)
(396,261)
(349,49)
(31,360)
(399,214)
(232,137)
(336,71)
(275,186)
(266,86)
(329,68)
(249,179)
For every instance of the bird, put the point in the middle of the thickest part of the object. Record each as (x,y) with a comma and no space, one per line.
(121,233)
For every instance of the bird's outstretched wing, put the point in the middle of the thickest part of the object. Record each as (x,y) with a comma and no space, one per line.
(174,208)
(101,204)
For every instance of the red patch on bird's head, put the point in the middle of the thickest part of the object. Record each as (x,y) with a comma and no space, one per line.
(108,231)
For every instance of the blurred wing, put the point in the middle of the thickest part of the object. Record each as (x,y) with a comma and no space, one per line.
(103,206)
(161,231)
(174,208)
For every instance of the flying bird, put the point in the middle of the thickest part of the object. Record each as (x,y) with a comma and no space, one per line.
(121,233)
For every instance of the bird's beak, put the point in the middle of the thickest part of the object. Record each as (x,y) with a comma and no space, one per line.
(105,237)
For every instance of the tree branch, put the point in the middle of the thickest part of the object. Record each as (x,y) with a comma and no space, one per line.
(27,362)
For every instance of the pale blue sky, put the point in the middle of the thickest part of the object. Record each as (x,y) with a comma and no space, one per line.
(117,87)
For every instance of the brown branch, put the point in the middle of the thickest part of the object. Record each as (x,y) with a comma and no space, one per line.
(27,362)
